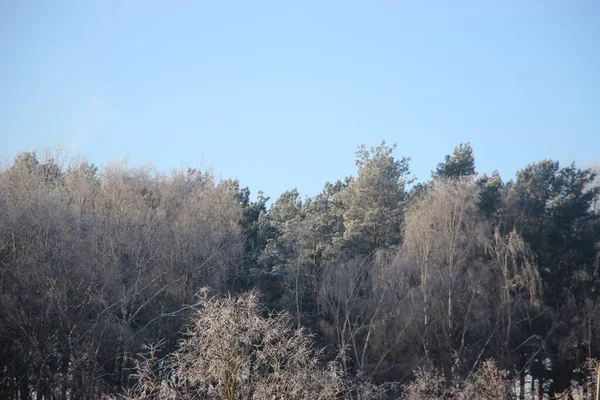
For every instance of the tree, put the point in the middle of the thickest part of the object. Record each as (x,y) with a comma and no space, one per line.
(373,202)
(490,194)
(460,163)
(49,288)
(444,240)
(253,225)
(283,218)
(232,351)
(363,314)
(95,263)
(552,206)
(552,209)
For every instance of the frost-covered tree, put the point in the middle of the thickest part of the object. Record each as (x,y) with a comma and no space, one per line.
(234,350)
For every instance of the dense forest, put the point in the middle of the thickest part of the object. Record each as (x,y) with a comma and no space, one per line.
(125,281)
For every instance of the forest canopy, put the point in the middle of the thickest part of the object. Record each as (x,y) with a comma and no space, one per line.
(377,285)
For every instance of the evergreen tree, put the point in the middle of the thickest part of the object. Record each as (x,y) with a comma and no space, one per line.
(460,163)
(552,207)
(374,201)
(490,194)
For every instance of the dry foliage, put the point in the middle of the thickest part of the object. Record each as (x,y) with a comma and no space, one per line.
(94,263)
(232,351)
(427,385)
(488,383)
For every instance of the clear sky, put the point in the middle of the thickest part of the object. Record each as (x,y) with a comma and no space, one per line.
(279,94)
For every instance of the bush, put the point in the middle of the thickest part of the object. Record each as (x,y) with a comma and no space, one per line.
(488,383)
(233,351)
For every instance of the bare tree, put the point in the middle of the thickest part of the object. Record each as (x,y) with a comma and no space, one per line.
(96,262)
(443,238)
(363,315)
(232,351)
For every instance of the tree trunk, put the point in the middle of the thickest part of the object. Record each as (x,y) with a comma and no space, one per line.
(522,386)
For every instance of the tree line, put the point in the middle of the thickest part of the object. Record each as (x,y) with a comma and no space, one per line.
(430,285)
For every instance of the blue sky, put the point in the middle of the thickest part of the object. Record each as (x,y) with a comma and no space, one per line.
(279,94)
